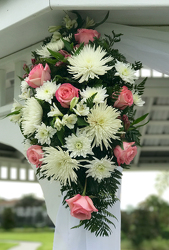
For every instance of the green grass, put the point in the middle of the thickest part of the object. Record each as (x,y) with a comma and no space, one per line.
(126,245)
(156,244)
(39,235)
(6,246)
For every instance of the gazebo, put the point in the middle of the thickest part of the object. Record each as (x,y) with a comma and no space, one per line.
(24,25)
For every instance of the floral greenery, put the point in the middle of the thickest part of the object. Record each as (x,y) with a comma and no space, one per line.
(61,63)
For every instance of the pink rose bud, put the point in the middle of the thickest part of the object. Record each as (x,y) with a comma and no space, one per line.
(81,207)
(126,121)
(33,60)
(65,93)
(86,35)
(25,75)
(124,99)
(34,154)
(38,75)
(63,53)
(125,155)
(25,67)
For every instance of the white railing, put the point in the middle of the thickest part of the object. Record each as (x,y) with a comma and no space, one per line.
(11,67)
(15,170)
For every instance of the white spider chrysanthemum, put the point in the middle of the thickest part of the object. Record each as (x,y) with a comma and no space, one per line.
(138,100)
(81,109)
(125,71)
(59,165)
(69,120)
(100,97)
(100,169)
(32,116)
(54,111)
(103,124)
(79,144)
(45,133)
(89,63)
(46,91)
(54,46)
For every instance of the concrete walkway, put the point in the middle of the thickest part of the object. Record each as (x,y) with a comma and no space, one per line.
(25,245)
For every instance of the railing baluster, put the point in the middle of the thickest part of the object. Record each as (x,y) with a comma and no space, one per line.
(2,87)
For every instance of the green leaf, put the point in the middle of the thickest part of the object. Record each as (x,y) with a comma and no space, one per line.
(68,46)
(57,55)
(140,119)
(142,124)
(51,61)
(89,101)
(13,113)
(60,135)
(140,87)
(81,122)
(80,21)
(79,49)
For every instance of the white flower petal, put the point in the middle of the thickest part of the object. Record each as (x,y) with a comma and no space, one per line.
(89,63)
(59,165)
(103,124)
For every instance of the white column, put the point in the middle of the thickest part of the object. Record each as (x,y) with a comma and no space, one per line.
(19,72)
(2,87)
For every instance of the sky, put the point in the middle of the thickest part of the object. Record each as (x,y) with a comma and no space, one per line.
(136,187)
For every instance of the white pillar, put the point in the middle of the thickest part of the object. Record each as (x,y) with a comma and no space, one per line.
(2,87)
(19,72)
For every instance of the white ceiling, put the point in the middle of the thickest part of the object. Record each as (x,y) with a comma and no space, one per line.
(20,27)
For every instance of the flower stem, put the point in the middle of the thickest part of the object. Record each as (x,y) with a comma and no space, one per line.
(84,190)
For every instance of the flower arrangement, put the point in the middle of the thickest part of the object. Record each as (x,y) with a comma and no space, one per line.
(78,117)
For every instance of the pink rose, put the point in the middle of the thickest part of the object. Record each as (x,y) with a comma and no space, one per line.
(34,154)
(124,99)
(38,75)
(81,207)
(125,155)
(86,35)
(65,93)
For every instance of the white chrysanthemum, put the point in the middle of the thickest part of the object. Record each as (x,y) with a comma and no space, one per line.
(45,133)
(54,111)
(32,116)
(100,97)
(81,109)
(46,91)
(125,71)
(103,124)
(138,100)
(79,144)
(69,120)
(16,118)
(89,63)
(54,46)
(100,169)
(59,165)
